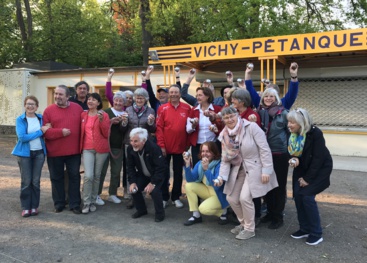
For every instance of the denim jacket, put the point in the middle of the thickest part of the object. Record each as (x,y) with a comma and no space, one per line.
(22,148)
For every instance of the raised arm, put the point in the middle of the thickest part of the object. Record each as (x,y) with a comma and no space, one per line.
(184,90)
(153,101)
(108,90)
(292,93)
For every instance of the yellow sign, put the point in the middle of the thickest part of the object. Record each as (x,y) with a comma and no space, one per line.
(325,42)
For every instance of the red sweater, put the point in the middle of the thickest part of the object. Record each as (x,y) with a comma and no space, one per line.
(59,118)
(171,127)
(248,112)
(195,113)
(100,133)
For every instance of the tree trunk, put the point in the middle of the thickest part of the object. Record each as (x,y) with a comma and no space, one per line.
(144,13)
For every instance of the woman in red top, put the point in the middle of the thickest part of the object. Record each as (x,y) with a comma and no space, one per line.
(94,144)
(201,124)
(241,100)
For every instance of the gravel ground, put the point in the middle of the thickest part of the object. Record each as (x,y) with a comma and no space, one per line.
(111,235)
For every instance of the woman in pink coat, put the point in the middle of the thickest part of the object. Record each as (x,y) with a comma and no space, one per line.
(246,167)
(95,128)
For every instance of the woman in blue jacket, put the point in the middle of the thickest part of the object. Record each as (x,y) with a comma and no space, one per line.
(200,182)
(30,151)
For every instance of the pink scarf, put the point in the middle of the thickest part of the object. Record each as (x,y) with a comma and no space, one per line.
(230,143)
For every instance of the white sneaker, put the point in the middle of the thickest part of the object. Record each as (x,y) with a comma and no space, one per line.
(177,203)
(85,209)
(114,199)
(165,204)
(99,200)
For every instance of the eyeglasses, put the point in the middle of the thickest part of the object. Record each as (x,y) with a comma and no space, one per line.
(227,118)
(30,104)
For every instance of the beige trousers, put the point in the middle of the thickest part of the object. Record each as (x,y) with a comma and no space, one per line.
(241,202)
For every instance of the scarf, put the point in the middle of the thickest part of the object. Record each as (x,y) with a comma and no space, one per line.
(211,167)
(296,143)
(267,114)
(139,110)
(230,143)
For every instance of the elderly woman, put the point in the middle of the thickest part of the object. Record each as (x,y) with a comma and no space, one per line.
(137,115)
(115,157)
(274,122)
(94,144)
(246,167)
(201,125)
(312,164)
(200,184)
(30,151)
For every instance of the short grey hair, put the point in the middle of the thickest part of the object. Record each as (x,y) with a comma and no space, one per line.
(242,95)
(270,91)
(228,110)
(274,86)
(141,132)
(141,92)
(129,92)
(302,118)
(64,87)
(120,95)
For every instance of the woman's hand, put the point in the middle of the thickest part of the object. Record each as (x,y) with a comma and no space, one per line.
(205,163)
(265,178)
(151,119)
(302,182)
(213,128)
(252,118)
(229,75)
(100,115)
(186,157)
(110,75)
(124,118)
(293,70)
(294,162)
(116,120)
(45,128)
(218,182)
(194,123)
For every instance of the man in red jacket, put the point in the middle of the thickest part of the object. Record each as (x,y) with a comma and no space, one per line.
(172,138)
(62,143)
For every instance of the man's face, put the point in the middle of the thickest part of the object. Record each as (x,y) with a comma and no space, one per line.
(137,143)
(163,97)
(174,94)
(60,97)
(82,91)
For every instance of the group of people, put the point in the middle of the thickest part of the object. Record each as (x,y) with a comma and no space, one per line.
(235,151)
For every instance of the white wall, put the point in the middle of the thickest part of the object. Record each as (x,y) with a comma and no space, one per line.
(346,144)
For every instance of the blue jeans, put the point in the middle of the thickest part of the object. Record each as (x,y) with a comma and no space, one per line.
(56,168)
(30,171)
(307,212)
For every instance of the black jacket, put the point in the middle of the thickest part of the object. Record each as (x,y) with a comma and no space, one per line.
(154,160)
(315,164)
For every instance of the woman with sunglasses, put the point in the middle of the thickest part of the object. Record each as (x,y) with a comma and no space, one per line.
(313,165)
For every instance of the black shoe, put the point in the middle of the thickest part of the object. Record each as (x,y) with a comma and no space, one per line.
(130,204)
(159,218)
(191,222)
(265,219)
(58,210)
(223,220)
(257,221)
(275,224)
(76,210)
(138,214)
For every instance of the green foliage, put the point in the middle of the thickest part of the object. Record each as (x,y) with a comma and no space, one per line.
(91,33)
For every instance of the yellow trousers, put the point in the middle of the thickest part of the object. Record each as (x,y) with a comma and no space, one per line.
(211,204)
